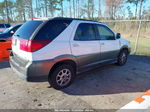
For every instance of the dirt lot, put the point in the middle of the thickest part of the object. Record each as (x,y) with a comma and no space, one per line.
(108,87)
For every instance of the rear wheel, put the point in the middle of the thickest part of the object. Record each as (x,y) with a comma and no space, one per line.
(62,76)
(122,58)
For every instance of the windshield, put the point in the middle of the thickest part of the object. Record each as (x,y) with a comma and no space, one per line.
(27,29)
(8,30)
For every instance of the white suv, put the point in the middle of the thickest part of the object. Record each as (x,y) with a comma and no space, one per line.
(57,49)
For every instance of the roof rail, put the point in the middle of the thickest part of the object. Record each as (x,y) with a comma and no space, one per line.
(65,18)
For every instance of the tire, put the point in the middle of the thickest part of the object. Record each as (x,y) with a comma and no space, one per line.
(122,58)
(62,76)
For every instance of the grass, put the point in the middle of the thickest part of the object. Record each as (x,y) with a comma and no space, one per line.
(143,47)
(129,30)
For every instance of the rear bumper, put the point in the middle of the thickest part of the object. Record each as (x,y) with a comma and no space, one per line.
(31,71)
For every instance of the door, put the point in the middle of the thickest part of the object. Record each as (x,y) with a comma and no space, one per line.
(109,45)
(85,46)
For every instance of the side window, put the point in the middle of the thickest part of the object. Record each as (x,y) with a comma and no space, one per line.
(85,32)
(105,33)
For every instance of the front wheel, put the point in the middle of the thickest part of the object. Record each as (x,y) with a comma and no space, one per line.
(62,76)
(122,58)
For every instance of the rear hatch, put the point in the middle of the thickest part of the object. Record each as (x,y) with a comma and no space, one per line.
(23,36)
(35,35)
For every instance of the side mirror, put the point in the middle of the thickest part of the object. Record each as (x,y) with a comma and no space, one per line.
(12,32)
(118,35)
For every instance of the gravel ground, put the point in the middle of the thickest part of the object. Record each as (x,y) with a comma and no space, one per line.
(108,87)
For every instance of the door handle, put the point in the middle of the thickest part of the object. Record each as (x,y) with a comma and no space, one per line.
(75,45)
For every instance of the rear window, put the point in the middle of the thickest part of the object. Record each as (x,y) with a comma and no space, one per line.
(52,29)
(2,26)
(27,29)
(7,25)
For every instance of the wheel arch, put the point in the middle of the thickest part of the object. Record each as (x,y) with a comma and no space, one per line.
(125,48)
(67,61)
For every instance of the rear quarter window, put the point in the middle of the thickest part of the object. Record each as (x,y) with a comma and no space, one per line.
(52,29)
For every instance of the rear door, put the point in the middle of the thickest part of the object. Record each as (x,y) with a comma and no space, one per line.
(85,46)
(109,45)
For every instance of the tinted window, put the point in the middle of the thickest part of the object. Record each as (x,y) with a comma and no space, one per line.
(85,31)
(7,25)
(7,30)
(105,33)
(2,26)
(52,29)
(27,29)
(15,28)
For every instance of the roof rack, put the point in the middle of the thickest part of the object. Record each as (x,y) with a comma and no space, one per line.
(65,18)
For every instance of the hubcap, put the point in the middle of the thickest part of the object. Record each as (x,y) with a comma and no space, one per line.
(123,57)
(63,77)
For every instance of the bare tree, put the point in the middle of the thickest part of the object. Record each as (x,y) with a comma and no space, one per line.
(136,2)
(62,8)
(2,11)
(99,8)
(21,9)
(7,11)
(46,7)
(141,1)
(53,6)
(74,13)
(90,9)
(112,7)
(70,8)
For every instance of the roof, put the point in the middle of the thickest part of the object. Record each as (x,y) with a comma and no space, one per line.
(17,25)
(64,18)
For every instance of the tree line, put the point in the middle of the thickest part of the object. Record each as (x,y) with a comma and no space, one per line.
(22,10)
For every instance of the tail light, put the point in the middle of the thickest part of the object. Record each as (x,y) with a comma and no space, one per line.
(32,45)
